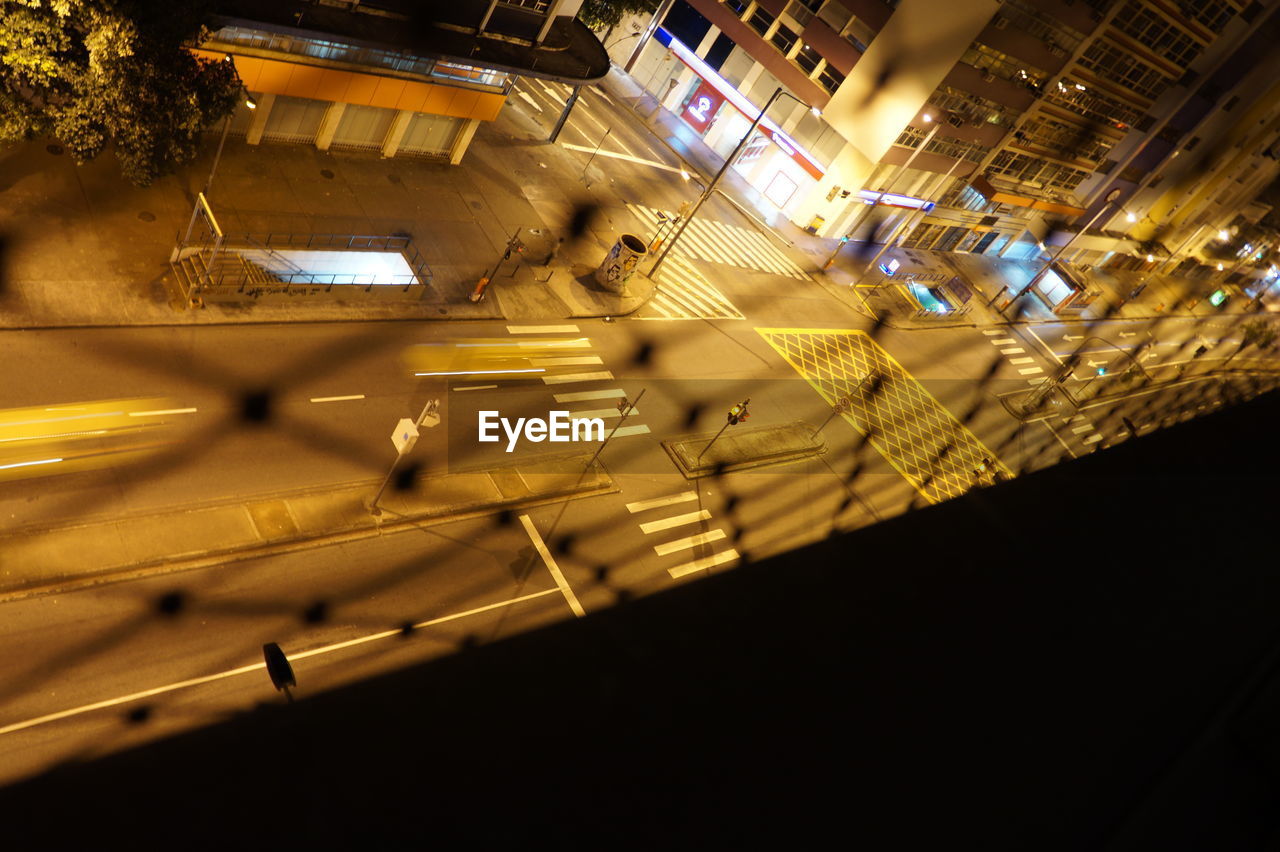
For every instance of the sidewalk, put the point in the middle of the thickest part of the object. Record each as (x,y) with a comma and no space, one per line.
(81,247)
(36,559)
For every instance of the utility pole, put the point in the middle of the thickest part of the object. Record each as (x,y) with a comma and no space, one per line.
(736,415)
(513,245)
(405,436)
(888,185)
(564,114)
(733,155)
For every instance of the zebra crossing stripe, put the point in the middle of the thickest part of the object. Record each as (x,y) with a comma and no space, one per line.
(704,287)
(704,563)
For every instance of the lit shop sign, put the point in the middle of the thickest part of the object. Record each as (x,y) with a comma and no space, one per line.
(869,197)
(702,107)
(726,90)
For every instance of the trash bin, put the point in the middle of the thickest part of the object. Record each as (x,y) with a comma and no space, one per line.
(815,225)
(621,262)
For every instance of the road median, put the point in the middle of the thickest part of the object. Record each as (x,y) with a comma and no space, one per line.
(37,560)
(743,448)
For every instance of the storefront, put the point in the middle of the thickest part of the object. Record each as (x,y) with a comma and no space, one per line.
(771,161)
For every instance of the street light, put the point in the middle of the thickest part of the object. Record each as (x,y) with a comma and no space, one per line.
(226,127)
(733,155)
(927,139)
(1111,198)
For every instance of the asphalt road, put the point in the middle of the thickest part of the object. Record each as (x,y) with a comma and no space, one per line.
(102,669)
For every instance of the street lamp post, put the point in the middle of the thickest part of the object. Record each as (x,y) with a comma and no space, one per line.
(1111,198)
(226,128)
(733,155)
(888,185)
(901,232)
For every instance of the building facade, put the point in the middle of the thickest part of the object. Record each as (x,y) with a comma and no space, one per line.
(995,126)
(382,76)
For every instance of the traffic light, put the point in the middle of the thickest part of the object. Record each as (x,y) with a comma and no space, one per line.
(739,412)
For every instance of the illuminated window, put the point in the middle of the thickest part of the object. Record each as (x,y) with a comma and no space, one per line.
(1149,28)
(1121,66)
(784,39)
(760,21)
(830,79)
(808,59)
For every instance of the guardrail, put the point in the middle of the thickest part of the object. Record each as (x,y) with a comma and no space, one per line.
(401,243)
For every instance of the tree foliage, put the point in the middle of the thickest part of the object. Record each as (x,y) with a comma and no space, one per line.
(602,14)
(92,73)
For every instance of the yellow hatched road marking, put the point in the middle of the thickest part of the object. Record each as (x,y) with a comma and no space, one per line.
(906,424)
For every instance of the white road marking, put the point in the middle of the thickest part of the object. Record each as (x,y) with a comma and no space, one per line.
(704,563)
(481,372)
(627,157)
(475,387)
(661,502)
(674,521)
(1005,341)
(28,464)
(550,562)
(991,331)
(686,543)
(1092,439)
(1044,345)
(581,361)
(1085,428)
(1064,444)
(1022,360)
(582,396)
(568,378)
(530,101)
(314,652)
(1026,371)
(576,343)
(160,412)
(1013,350)
(542,329)
(600,412)
(1073,337)
(340,398)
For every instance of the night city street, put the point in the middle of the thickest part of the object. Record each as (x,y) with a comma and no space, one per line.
(783,415)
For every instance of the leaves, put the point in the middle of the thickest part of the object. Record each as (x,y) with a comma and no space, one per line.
(97,73)
(599,14)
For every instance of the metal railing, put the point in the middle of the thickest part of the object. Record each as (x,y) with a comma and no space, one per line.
(403,244)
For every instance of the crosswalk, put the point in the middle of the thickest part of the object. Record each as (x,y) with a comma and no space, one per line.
(683,293)
(587,399)
(1074,432)
(706,239)
(1015,354)
(680,517)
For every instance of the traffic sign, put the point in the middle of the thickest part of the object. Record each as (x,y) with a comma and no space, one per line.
(405,435)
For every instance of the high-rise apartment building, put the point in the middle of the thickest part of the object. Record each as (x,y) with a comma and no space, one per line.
(1016,117)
